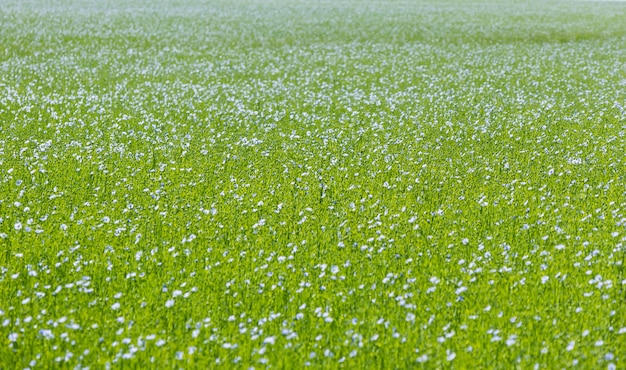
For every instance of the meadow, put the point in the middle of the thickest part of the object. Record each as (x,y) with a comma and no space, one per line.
(333,184)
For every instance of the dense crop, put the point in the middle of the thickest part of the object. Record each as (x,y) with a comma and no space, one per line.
(342,184)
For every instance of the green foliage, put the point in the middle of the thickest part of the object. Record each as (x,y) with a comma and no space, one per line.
(196,184)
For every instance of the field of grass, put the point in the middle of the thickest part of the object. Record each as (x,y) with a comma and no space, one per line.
(338,184)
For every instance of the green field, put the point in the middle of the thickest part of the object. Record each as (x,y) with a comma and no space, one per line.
(337,184)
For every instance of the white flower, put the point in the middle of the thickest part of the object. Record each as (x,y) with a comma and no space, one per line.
(115,306)
(270,340)
(450,355)
(46,333)
(169,303)
(13,337)
(511,340)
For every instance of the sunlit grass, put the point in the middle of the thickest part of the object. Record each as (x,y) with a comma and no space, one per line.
(328,184)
